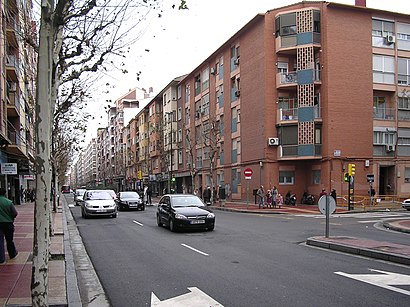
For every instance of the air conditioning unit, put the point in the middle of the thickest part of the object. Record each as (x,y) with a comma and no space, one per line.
(389,148)
(213,71)
(390,39)
(238,93)
(273,141)
(236,62)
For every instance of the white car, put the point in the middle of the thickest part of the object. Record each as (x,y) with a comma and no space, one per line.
(78,196)
(98,203)
(406,204)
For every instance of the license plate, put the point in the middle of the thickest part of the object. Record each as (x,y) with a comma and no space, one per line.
(101,210)
(198,222)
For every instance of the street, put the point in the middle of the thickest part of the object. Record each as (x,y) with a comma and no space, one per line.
(248,260)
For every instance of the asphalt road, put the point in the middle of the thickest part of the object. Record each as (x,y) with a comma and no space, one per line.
(248,260)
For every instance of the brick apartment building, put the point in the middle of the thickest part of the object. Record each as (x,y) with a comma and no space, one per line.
(296,95)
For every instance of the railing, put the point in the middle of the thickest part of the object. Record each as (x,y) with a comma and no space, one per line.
(384,113)
(288,114)
(288,78)
(387,201)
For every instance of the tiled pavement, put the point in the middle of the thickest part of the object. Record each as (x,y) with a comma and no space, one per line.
(15,275)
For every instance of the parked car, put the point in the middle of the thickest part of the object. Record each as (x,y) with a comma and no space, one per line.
(98,203)
(78,196)
(406,204)
(178,211)
(129,200)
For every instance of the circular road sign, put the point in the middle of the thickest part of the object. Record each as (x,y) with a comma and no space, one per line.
(248,172)
(322,204)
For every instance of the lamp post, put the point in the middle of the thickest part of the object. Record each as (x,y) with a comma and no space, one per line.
(260,172)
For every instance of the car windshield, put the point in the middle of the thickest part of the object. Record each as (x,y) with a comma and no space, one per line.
(186,201)
(80,192)
(125,195)
(100,195)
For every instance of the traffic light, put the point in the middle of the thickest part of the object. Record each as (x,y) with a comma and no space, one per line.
(351,169)
(346,177)
(173,179)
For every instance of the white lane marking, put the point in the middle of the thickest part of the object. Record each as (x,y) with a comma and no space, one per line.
(138,223)
(195,297)
(385,280)
(374,221)
(194,249)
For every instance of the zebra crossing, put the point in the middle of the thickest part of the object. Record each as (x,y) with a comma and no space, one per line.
(365,217)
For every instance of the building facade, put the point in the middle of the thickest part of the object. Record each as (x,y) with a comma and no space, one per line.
(296,95)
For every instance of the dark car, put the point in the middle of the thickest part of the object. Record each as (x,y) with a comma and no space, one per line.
(98,203)
(129,200)
(184,211)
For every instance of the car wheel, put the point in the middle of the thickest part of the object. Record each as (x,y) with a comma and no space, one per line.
(172,226)
(143,208)
(159,221)
(119,208)
(211,228)
(114,215)
(83,214)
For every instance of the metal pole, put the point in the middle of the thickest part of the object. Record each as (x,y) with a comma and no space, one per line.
(247,193)
(327,216)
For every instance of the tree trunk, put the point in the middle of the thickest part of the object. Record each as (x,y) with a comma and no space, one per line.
(41,243)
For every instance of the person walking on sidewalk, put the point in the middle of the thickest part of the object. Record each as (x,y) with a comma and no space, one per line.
(7,215)
(261,195)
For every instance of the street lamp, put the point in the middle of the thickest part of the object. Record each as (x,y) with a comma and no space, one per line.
(260,173)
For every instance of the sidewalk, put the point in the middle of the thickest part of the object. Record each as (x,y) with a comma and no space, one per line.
(15,275)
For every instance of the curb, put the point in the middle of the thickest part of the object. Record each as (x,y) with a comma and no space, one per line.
(92,292)
(371,253)
(390,225)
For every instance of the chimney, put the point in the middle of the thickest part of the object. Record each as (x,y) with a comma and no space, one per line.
(360,3)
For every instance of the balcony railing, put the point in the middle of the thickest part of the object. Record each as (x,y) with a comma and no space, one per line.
(288,78)
(384,113)
(292,113)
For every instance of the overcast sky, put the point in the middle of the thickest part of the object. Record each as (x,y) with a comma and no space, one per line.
(180,40)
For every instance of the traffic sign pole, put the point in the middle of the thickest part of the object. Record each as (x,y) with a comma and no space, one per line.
(248,175)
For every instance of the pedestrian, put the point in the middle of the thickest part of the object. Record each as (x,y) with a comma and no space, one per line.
(261,195)
(274,196)
(279,200)
(145,194)
(7,215)
(333,194)
(149,195)
(372,193)
(207,196)
(268,199)
(323,192)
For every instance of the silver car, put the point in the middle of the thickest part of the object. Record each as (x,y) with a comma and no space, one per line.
(406,204)
(98,203)
(78,196)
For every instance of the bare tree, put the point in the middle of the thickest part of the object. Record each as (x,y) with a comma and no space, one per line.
(212,140)
(76,38)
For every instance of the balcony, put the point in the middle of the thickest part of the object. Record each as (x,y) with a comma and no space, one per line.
(289,79)
(384,113)
(13,105)
(11,30)
(301,152)
(292,114)
(12,67)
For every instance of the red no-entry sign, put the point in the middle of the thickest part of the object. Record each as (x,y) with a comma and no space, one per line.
(248,173)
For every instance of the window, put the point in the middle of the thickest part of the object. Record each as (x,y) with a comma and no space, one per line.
(235,149)
(198,159)
(403,36)
(205,79)
(179,91)
(179,116)
(179,156)
(220,68)
(287,24)
(384,137)
(198,109)
(403,74)
(205,104)
(187,93)
(206,153)
(234,120)
(381,29)
(316,177)
(221,126)
(407,174)
(220,96)
(235,56)
(286,177)
(180,135)
(197,85)
(234,96)
(316,21)
(404,103)
(187,116)
(222,154)
(383,69)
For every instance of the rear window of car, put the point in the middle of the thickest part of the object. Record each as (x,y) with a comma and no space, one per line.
(80,192)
